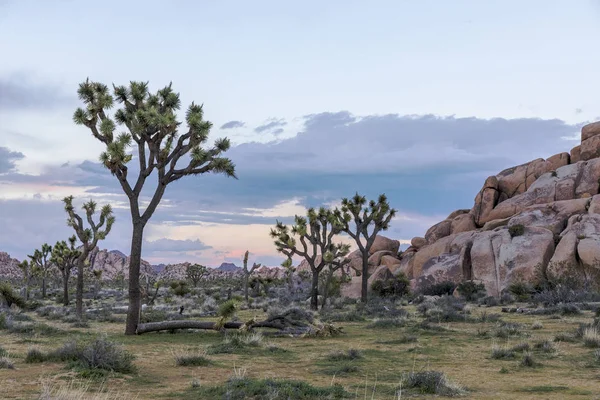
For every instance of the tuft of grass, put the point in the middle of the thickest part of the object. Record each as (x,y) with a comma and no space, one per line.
(591,337)
(39,329)
(521,347)
(563,337)
(387,323)
(508,329)
(237,342)
(431,382)
(528,361)
(3,352)
(545,346)
(193,359)
(537,325)
(502,353)
(6,363)
(349,355)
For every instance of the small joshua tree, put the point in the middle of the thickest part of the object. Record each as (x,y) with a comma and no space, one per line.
(89,237)
(247,272)
(332,268)
(356,221)
(28,274)
(316,233)
(195,273)
(151,123)
(289,270)
(40,260)
(64,257)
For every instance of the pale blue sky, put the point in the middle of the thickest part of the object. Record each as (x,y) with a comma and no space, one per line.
(261,61)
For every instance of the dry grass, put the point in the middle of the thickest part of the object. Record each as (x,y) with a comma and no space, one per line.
(457,351)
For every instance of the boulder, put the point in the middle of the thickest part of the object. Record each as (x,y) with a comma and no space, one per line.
(576,154)
(589,176)
(486,200)
(384,243)
(389,261)
(516,180)
(375,259)
(594,207)
(432,250)
(495,223)
(418,242)
(588,250)
(382,273)
(355,263)
(446,267)
(590,130)
(463,223)
(552,216)
(353,288)
(497,259)
(456,213)
(438,231)
(590,148)
(559,160)
(406,265)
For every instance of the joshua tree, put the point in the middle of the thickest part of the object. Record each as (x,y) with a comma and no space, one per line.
(289,270)
(332,267)
(377,214)
(195,273)
(28,273)
(316,234)
(97,280)
(89,237)
(65,258)
(40,260)
(152,124)
(247,272)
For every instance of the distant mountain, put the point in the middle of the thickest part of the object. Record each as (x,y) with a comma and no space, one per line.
(229,267)
(118,253)
(159,268)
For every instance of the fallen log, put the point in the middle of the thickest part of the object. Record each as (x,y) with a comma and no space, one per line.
(208,325)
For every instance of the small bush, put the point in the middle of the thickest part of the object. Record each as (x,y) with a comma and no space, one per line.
(528,361)
(431,382)
(521,347)
(597,356)
(516,230)
(521,290)
(470,290)
(545,346)
(508,329)
(106,355)
(591,337)
(537,325)
(563,337)
(3,352)
(35,356)
(38,328)
(502,353)
(10,297)
(191,360)
(395,287)
(6,363)
(445,288)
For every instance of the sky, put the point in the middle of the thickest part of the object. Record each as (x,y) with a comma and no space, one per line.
(418,100)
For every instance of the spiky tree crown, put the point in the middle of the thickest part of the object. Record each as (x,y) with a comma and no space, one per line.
(151,122)
(65,255)
(316,230)
(96,231)
(40,258)
(377,213)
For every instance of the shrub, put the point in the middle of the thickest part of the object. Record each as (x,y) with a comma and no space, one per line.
(3,352)
(591,337)
(597,356)
(439,289)
(3,321)
(151,315)
(508,329)
(179,288)
(521,347)
(471,290)
(35,356)
(37,328)
(431,382)
(528,361)
(395,287)
(545,346)
(6,363)
(537,325)
(521,290)
(191,359)
(106,355)
(502,353)
(563,337)
(516,230)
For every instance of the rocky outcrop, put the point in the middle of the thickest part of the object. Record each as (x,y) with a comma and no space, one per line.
(536,221)
(9,267)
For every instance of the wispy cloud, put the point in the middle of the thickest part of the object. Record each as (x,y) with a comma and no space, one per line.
(233,124)
(271,124)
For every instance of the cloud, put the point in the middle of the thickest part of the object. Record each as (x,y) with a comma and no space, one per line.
(19,92)
(233,124)
(277,131)
(170,245)
(271,124)
(8,159)
(578,110)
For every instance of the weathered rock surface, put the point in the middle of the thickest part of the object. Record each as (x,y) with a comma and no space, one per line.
(384,243)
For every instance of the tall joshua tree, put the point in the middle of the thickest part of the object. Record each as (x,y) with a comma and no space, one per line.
(89,238)
(195,273)
(316,233)
(247,272)
(40,260)
(152,125)
(28,273)
(356,219)
(64,257)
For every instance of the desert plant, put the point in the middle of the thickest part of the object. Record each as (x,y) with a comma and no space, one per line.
(395,287)
(191,359)
(103,354)
(471,290)
(387,323)
(316,232)
(64,257)
(537,325)
(502,353)
(516,230)
(431,382)
(152,124)
(247,273)
(9,296)
(528,361)
(40,260)
(348,355)
(355,211)
(35,356)
(545,346)
(6,363)
(521,290)
(439,289)
(195,273)
(591,337)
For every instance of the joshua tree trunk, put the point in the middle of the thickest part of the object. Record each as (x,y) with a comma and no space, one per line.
(314,293)
(44,286)
(65,290)
(133,314)
(326,291)
(246,289)
(79,291)
(365,276)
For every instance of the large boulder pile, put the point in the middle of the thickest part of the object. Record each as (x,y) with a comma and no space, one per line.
(538,220)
